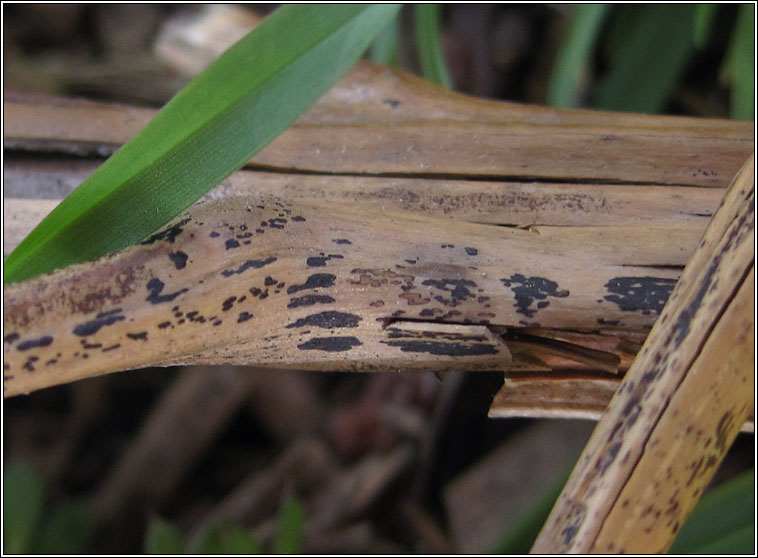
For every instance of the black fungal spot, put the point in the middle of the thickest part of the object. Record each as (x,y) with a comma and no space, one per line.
(228,303)
(137,336)
(427,312)
(11,337)
(231,244)
(309,300)
(330,344)
(268,281)
(214,234)
(640,293)
(530,289)
(569,533)
(603,321)
(341,241)
(250,264)
(471,251)
(315,281)
(29,364)
(277,223)
(243,317)
(328,320)
(179,258)
(32,343)
(298,218)
(447,245)
(393,103)
(443,349)
(169,234)
(320,261)
(111,348)
(102,319)
(164,325)
(155,286)
(458,289)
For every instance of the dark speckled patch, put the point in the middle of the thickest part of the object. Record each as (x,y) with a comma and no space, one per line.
(317,280)
(179,259)
(458,290)
(442,348)
(250,264)
(643,294)
(155,287)
(101,320)
(169,234)
(310,300)
(11,337)
(320,261)
(328,320)
(527,290)
(32,343)
(330,344)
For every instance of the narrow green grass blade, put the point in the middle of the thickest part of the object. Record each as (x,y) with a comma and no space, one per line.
(69,529)
(723,522)
(289,527)
(647,58)
(739,66)
(222,538)
(571,62)
(705,15)
(23,499)
(521,536)
(252,93)
(385,47)
(429,45)
(163,537)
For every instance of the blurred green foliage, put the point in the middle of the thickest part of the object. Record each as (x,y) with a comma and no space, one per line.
(622,57)
(290,527)
(163,537)
(31,527)
(429,44)
(571,65)
(723,522)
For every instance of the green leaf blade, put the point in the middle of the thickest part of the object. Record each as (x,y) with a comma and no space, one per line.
(428,41)
(245,99)
(648,55)
(23,500)
(69,529)
(163,537)
(723,521)
(571,62)
(739,66)
(289,527)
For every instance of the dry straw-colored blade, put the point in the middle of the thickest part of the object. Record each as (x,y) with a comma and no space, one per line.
(681,404)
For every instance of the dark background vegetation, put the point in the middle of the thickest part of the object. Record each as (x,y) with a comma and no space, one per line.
(428,467)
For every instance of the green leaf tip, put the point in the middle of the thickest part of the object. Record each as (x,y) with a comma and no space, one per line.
(238,105)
